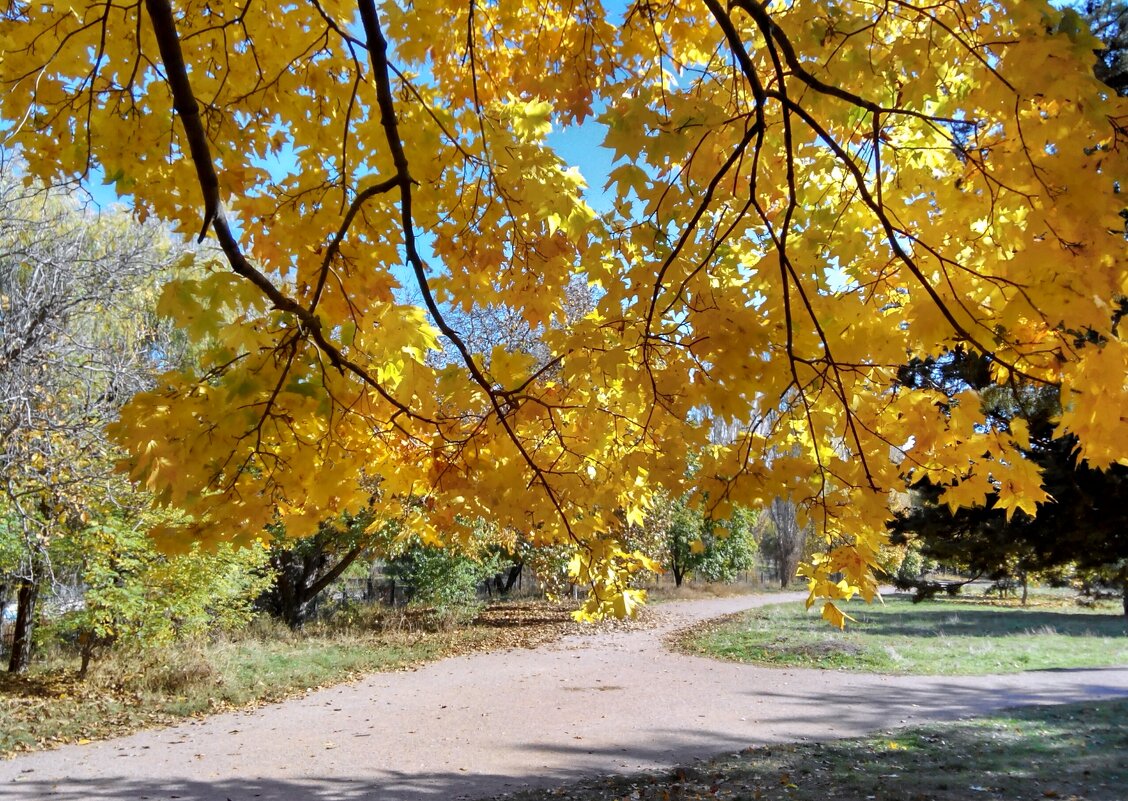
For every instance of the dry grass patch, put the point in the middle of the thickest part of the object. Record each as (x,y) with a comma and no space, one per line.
(130,690)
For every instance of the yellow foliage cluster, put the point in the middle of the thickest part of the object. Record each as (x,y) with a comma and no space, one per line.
(806,195)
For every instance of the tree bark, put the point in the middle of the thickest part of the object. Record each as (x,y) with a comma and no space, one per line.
(25,616)
(679,576)
(3,604)
(299,580)
(511,579)
(333,573)
(88,644)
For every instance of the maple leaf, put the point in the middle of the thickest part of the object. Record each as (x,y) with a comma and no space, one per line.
(787,228)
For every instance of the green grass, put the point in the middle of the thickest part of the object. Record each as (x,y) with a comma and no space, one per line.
(950,637)
(1073,752)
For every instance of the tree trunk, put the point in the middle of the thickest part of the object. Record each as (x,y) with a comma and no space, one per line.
(782,572)
(284,593)
(1025,588)
(679,575)
(511,579)
(25,616)
(3,606)
(88,644)
(299,581)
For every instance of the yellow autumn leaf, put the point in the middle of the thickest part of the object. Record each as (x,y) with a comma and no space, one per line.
(422,300)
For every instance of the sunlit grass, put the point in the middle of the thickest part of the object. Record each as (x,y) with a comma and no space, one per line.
(1074,751)
(951,636)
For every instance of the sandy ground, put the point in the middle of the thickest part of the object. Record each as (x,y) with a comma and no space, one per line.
(479,725)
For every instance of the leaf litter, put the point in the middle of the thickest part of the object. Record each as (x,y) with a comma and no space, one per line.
(52,708)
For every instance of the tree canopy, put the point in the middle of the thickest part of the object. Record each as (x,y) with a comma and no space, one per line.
(1084,528)
(805,196)
(78,338)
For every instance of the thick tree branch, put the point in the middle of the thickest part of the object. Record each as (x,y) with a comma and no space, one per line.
(378,52)
(164,26)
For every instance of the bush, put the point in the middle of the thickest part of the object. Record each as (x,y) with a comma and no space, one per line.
(442,577)
(911,567)
(686,542)
(136,597)
(549,563)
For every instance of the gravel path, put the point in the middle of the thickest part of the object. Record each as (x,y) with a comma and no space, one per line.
(479,725)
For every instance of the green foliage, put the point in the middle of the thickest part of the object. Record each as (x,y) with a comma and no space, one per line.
(912,565)
(444,576)
(549,563)
(687,542)
(728,550)
(11,546)
(903,563)
(137,597)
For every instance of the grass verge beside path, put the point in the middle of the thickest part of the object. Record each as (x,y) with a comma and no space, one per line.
(959,636)
(126,692)
(1073,752)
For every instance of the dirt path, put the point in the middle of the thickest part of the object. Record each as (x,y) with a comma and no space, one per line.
(478,725)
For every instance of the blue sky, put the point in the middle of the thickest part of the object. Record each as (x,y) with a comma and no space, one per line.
(578,145)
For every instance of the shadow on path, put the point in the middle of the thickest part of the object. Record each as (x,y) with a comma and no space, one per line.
(867,704)
(487,724)
(969,621)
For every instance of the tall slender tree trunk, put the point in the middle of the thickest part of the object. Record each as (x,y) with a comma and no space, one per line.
(26,598)
(3,602)
(1124,588)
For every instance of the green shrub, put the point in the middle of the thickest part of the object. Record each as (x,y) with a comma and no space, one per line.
(136,597)
(911,567)
(442,577)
